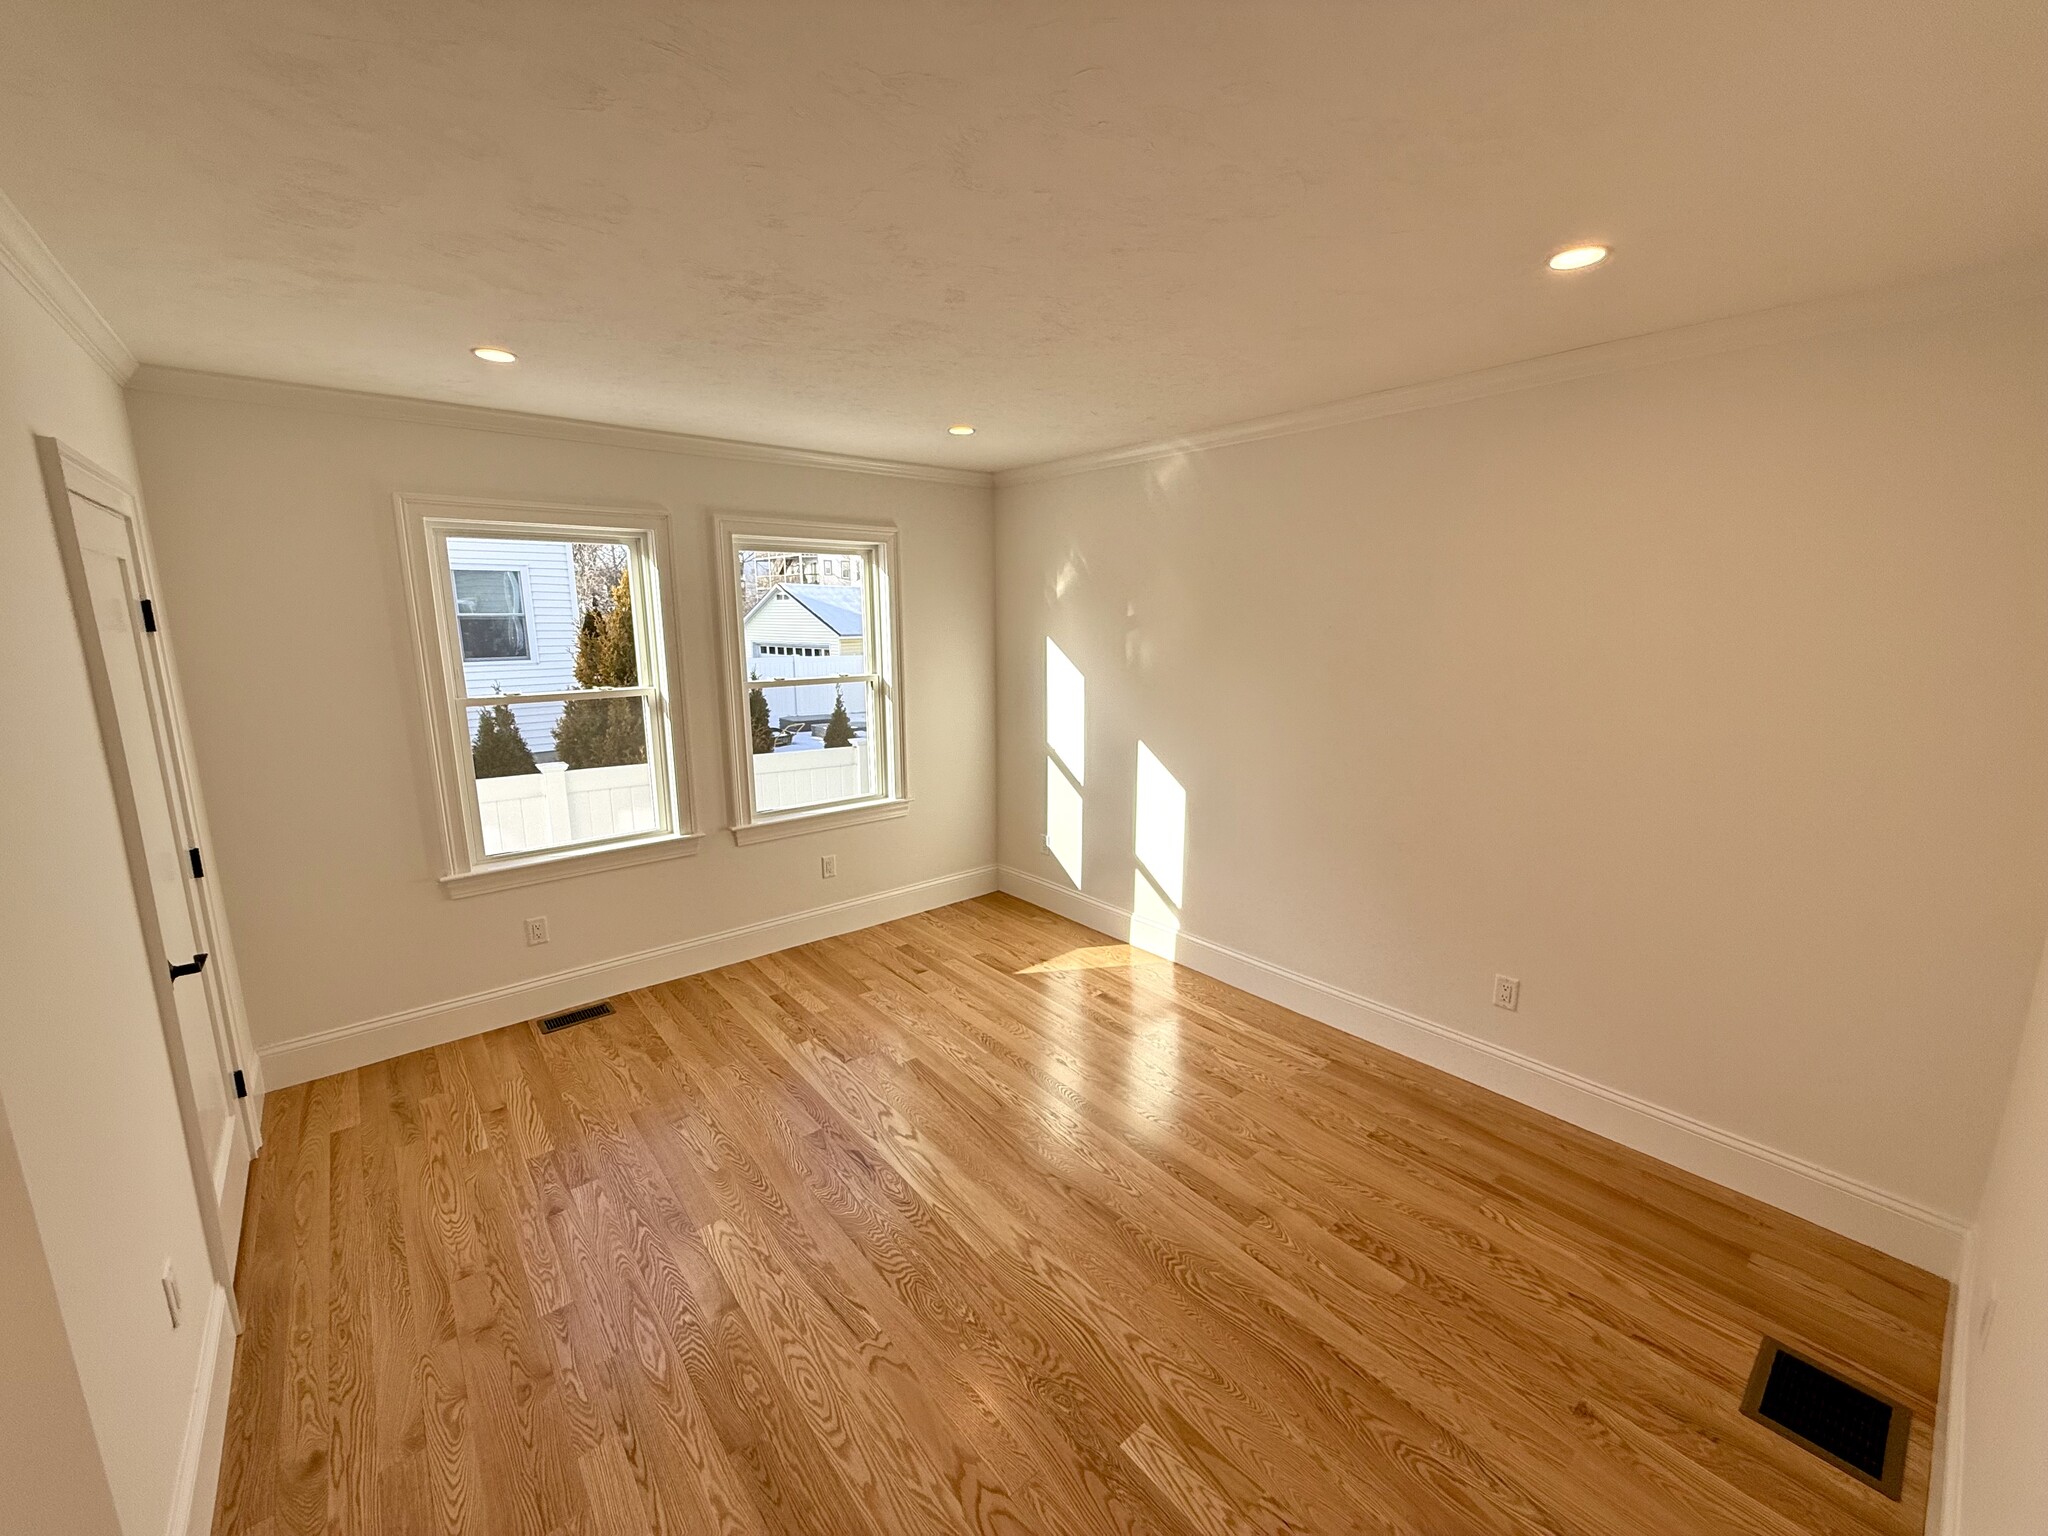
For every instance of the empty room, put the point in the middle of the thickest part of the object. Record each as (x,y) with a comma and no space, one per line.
(892,768)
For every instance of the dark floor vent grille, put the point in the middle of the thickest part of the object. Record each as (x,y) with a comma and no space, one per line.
(1861,1433)
(555,1021)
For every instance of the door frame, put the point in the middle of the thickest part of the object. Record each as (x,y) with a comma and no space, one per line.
(67,473)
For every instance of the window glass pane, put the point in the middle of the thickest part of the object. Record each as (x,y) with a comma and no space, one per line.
(601,733)
(812,746)
(543,615)
(541,787)
(487,591)
(805,613)
(801,603)
(492,639)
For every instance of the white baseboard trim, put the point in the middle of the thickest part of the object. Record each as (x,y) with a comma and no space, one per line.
(1885,1221)
(1945,1482)
(206,1425)
(373,1040)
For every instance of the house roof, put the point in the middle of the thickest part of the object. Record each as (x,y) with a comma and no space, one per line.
(838,607)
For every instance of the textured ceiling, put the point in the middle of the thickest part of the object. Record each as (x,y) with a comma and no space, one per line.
(842,224)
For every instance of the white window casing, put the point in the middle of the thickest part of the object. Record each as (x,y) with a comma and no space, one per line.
(425,525)
(877,666)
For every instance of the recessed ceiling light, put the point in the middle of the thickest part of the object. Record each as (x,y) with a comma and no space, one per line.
(961,429)
(495,354)
(1578,257)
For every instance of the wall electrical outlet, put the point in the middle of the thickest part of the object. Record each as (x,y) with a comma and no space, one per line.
(1507,992)
(536,930)
(173,1299)
(828,867)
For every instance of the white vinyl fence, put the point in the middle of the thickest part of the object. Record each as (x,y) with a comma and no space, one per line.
(560,805)
(786,781)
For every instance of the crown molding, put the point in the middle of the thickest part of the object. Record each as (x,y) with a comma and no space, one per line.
(1978,288)
(153,378)
(23,253)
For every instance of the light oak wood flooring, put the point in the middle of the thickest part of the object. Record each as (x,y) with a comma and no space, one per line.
(982,1222)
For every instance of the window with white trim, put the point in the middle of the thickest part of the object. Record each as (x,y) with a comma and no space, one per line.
(545,667)
(812,674)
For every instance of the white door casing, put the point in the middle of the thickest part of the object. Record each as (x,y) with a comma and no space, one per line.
(106,561)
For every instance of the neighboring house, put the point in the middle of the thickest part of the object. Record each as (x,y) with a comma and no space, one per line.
(804,629)
(515,602)
(802,618)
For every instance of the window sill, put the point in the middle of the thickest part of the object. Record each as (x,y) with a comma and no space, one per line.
(817,821)
(569,863)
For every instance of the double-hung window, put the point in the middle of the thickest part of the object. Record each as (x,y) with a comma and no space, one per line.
(546,663)
(813,683)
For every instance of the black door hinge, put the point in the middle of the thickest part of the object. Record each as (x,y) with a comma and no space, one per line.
(198,964)
(198,869)
(148,616)
(241,1085)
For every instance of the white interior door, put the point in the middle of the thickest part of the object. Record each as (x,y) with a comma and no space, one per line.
(137,705)
(110,575)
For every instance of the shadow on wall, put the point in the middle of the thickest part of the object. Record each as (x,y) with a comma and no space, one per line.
(1159,810)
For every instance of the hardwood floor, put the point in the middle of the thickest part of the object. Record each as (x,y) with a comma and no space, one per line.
(978,1221)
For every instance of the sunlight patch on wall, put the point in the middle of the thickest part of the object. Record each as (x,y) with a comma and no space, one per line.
(1066,757)
(1162,821)
(1063,819)
(1160,814)
(1066,712)
(1155,925)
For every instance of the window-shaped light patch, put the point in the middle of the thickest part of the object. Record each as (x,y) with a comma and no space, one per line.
(1161,818)
(1063,819)
(1066,755)
(1066,712)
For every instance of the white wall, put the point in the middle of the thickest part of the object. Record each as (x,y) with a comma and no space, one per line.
(2004,1413)
(338,916)
(83,1074)
(51,1478)
(1707,698)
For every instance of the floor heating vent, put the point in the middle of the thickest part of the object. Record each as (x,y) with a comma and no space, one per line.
(555,1021)
(1860,1432)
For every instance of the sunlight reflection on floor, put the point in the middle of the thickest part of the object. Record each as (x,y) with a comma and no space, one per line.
(1101,957)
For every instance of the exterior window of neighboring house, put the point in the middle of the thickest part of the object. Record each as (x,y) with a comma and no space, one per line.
(546,668)
(490,608)
(813,680)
